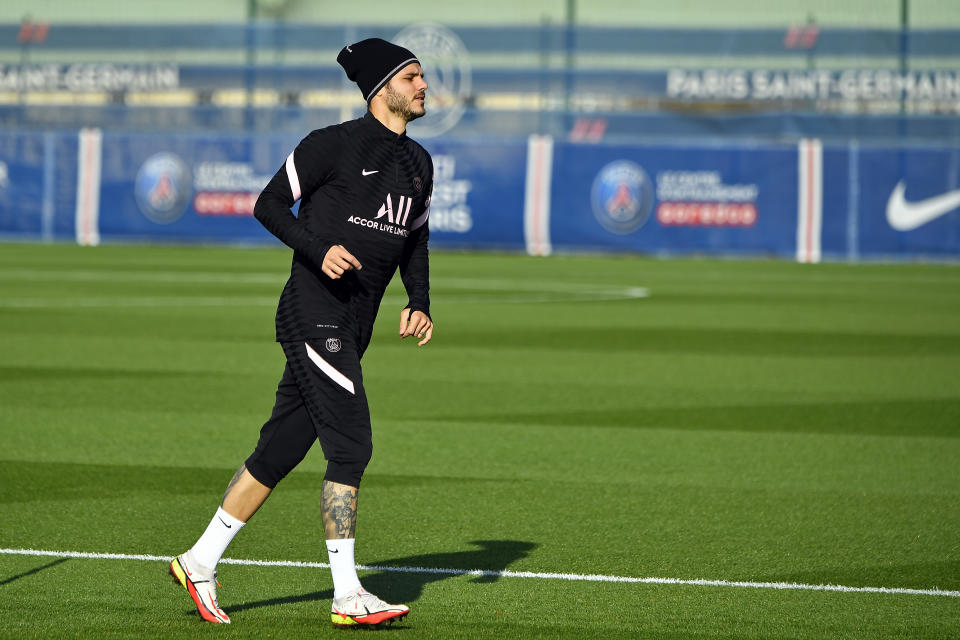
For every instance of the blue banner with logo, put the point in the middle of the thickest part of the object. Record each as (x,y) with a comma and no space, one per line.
(186,188)
(908,202)
(203,188)
(657,199)
(841,201)
(478,191)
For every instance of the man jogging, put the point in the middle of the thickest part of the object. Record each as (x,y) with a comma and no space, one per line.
(364,189)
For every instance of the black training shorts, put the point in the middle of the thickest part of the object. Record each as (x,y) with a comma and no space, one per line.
(320,397)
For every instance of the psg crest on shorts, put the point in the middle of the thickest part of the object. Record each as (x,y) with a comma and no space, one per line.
(163,188)
(622,197)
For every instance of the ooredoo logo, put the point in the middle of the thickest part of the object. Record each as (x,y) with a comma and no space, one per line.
(163,187)
(702,198)
(622,197)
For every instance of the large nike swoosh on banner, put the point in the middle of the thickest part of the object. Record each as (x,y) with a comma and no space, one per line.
(905,216)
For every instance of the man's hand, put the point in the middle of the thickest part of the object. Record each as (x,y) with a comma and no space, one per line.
(338,261)
(418,324)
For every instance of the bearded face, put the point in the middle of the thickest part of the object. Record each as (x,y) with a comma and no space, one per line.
(407,108)
(405,94)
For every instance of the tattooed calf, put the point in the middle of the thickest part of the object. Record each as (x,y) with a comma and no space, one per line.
(339,510)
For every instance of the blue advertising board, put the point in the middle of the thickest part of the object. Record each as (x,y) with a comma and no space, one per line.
(203,188)
(38,173)
(478,190)
(186,188)
(21,184)
(909,201)
(839,201)
(656,199)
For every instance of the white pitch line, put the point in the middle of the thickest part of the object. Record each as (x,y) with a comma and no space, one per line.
(577,577)
(511,291)
(597,295)
(140,276)
(165,302)
(272,278)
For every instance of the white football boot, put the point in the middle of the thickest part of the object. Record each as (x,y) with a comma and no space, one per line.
(201,583)
(360,607)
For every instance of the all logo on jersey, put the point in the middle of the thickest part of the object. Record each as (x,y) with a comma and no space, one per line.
(388,218)
(386,209)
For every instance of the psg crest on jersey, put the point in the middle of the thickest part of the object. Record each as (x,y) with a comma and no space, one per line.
(333,345)
(163,188)
(622,197)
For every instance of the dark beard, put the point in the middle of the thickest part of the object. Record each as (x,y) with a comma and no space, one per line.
(400,106)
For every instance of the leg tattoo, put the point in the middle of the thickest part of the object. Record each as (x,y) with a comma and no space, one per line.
(339,510)
(234,480)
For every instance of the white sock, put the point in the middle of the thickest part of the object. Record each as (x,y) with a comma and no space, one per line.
(342,566)
(210,547)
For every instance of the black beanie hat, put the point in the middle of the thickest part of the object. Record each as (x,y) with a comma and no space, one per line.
(372,62)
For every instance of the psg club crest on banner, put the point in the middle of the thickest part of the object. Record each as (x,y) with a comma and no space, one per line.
(163,188)
(622,197)
(446,62)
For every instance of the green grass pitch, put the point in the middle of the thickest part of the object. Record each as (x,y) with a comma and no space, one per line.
(732,421)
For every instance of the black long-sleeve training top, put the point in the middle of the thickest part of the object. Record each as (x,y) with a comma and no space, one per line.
(362,186)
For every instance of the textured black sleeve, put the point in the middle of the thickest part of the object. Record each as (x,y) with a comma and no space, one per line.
(415,263)
(305,170)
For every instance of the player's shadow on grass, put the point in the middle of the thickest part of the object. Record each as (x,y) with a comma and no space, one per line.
(399,582)
(32,571)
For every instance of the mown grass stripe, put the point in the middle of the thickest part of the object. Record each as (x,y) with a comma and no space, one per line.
(787,586)
(74,303)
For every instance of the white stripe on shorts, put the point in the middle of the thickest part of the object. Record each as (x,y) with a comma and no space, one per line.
(330,370)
